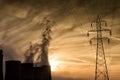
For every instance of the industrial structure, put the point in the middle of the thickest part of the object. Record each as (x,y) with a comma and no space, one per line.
(13,70)
(41,69)
(1,64)
(42,62)
(29,70)
(101,71)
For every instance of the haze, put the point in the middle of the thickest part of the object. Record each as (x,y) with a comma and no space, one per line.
(69,47)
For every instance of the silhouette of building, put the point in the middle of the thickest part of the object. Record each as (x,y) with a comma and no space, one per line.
(37,73)
(27,71)
(46,73)
(42,73)
(13,70)
(1,64)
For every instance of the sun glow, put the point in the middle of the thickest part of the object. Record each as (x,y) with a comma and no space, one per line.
(54,64)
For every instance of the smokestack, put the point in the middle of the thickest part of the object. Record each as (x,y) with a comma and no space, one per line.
(1,64)
(13,70)
(27,71)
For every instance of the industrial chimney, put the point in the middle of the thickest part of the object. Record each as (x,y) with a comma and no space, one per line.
(13,70)
(1,64)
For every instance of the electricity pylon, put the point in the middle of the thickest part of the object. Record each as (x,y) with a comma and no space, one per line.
(101,71)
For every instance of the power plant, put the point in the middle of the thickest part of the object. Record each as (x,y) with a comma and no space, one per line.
(41,70)
(15,70)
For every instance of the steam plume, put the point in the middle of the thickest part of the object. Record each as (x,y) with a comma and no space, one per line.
(46,26)
(41,50)
(29,55)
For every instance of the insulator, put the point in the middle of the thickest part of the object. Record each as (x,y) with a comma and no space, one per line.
(108,41)
(105,23)
(91,25)
(88,34)
(90,42)
(110,33)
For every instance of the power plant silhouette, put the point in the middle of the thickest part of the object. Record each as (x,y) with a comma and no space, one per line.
(1,65)
(15,70)
(29,70)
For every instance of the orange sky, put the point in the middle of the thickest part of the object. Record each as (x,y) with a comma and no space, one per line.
(69,49)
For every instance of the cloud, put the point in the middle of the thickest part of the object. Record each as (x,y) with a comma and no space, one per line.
(20,19)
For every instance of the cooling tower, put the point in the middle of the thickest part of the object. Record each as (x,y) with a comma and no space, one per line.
(37,73)
(13,70)
(1,65)
(46,73)
(42,73)
(27,71)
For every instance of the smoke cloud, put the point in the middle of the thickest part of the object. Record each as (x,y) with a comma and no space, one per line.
(41,50)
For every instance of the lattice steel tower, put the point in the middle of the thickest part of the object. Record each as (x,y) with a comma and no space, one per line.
(101,71)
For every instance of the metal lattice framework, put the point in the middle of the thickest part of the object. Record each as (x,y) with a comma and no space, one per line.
(101,71)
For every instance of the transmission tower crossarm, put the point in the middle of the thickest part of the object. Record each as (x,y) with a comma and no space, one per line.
(108,30)
(103,38)
(88,33)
